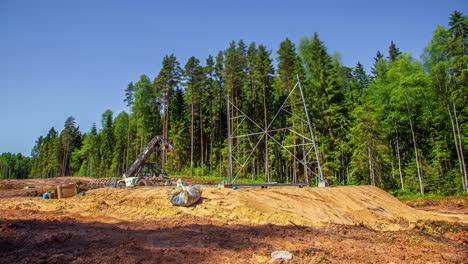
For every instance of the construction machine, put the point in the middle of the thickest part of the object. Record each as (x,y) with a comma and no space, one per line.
(143,173)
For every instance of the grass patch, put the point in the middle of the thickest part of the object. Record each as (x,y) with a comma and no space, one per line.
(216,178)
(407,195)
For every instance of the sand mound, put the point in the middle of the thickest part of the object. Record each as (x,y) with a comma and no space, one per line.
(352,205)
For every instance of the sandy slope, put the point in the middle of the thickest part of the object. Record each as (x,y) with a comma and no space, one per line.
(317,225)
(352,205)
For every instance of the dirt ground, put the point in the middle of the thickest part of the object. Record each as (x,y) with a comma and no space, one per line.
(36,187)
(360,224)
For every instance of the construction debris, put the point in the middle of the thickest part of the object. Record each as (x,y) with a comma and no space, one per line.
(281,255)
(65,191)
(62,191)
(184,195)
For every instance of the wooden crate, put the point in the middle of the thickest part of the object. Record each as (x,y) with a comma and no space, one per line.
(65,191)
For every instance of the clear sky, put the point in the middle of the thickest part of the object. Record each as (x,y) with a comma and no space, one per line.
(75,58)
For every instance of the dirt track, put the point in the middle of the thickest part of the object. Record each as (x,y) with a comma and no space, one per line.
(317,225)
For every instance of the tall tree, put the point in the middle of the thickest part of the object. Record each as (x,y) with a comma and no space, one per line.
(120,130)
(179,132)
(393,52)
(234,76)
(87,158)
(70,139)
(107,142)
(193,75)
(289,67)
(264,77)
(147,108)
(129,99)
(129,94)
(325,99)
(211,100)
(367,142)
(458,64)
(165,84)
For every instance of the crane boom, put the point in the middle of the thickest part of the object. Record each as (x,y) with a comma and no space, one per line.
(150,148)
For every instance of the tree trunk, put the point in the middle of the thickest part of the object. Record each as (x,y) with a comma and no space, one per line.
(462,154)
(128,139)
(294,168)
(421,180)
(265,119)
(456,137)
(201,136)
(399,163)
(371,166)
(191,141)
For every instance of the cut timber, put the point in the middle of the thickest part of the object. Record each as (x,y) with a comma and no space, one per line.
(264,185)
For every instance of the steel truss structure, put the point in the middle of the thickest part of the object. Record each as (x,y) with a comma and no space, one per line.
(307,137)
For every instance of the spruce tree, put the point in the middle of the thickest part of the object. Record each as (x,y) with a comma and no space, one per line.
(70,139)
(325,102)
(377,58)
(393,52)
(107,142)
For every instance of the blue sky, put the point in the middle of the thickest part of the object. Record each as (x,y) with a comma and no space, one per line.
(75,58)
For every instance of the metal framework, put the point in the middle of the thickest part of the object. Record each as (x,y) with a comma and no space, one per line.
(308,141)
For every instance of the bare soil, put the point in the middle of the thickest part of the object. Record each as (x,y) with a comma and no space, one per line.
(36,187)
(317,225)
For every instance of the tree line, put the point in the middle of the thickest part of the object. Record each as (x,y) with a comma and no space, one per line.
(403,126)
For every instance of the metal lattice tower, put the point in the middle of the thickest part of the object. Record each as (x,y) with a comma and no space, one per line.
(307,137)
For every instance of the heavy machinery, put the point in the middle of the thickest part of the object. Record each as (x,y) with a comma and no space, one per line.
(143,173)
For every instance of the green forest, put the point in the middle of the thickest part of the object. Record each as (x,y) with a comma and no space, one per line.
(402,126)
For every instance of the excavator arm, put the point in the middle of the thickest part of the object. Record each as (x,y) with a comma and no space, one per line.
(144,155)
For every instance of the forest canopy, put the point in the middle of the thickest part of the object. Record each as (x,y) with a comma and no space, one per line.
(402,126)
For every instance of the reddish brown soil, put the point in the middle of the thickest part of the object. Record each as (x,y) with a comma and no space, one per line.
(36,187)
(450,205)
(138,225)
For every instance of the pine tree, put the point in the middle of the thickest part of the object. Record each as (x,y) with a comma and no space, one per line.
(289,67)
(129,94)
(129,100)
(234,76)
(165,84)
(264,70)
(210,106)
(220,103)
(193,75)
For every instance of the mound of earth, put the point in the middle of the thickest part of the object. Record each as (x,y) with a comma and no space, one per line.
(352,205)
(316,225)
